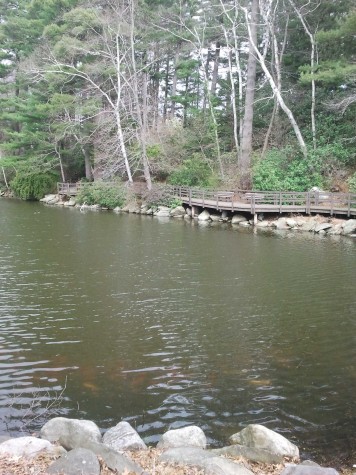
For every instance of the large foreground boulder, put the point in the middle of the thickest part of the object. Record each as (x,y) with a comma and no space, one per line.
(249,453)
(308,470)
(123,437)
(114,460)
(70,433)
(76,462)
(209,463)
(259,437)
(29,447)
(191,436)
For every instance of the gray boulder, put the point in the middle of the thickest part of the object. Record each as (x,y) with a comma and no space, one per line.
(186,456)
(163,211)
(123,437)
(177,212)
(222,466)
(29,447)
(309,225)
(70,433)
(204,216)
(191,436)
(292,223)
(215,217)
(69,203)
(281,223)
(113,459)
(3,438)
(322,227)
(203,460)
(349,227)
(131,208)
(336,230)
(249,453)
(238,218)
(50,199)
(308,470)
(263,224)
(76,462)
(259,437)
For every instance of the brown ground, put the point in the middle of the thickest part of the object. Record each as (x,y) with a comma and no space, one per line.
(149,460)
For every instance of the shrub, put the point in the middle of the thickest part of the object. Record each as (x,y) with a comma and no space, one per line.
(33,186)
(160,197)
(288,170)
(107,195)
(194,172)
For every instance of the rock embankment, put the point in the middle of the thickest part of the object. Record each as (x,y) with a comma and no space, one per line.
(321,225)
(77,447)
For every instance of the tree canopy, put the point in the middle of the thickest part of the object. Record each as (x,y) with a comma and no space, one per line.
(157,90)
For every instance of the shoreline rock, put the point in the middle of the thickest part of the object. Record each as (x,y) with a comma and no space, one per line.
(82,449)
(322,225)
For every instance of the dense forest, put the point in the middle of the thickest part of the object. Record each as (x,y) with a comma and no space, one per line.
(227,93)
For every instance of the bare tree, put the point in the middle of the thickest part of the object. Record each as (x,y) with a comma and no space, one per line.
(273,85)
(111,42)
(313,62)
(277,58)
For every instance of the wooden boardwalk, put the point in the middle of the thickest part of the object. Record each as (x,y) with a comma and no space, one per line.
(254,202)
(270,201)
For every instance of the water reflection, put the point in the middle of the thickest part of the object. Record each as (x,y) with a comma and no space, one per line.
(174,324)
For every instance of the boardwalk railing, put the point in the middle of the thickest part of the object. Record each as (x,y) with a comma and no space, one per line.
(269,201)
(70,189)
(254,201)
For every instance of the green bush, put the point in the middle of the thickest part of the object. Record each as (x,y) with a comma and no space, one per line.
(288,170)
(33,186)
(194,172)
(107,195)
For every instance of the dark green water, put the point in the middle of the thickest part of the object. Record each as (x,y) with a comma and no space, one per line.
(168,323)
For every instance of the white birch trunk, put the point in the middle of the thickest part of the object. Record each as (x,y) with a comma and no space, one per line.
(275,90)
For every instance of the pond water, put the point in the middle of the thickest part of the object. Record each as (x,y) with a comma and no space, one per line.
(167,323)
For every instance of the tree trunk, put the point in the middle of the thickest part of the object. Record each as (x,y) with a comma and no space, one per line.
(312,67)
(276,91)
(278,57)
(141,117)
(120,134)
(166,88)
(246,139)
(174,82)
(214,79)
(88,169)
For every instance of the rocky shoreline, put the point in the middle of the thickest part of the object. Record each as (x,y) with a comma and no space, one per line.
(321,225)
(77,447)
